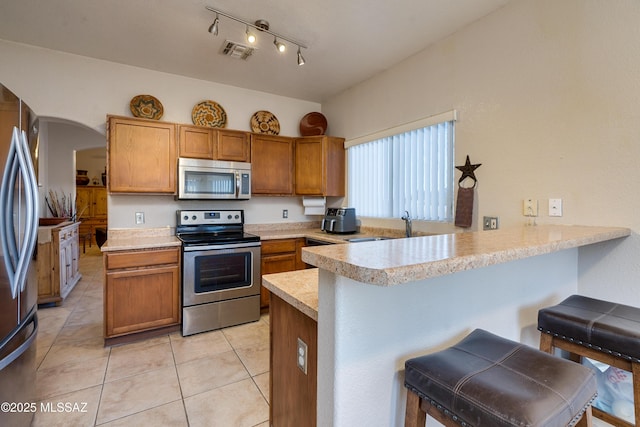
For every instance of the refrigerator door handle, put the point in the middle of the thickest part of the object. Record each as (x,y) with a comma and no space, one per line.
(32,318)
(7,236)
(17,259)
(31,217)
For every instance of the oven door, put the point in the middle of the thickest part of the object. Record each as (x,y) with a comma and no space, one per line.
(218,273)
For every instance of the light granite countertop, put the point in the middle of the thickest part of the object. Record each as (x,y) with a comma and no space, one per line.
(137,239)
(397,261)
(298,288)
(120,239)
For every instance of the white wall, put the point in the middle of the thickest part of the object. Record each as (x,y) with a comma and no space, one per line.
(549,101)
(84,90)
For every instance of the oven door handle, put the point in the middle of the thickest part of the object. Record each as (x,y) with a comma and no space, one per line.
(220,247)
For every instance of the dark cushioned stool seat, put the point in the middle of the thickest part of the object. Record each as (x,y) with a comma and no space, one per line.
(606,326)
(600,330)
(486,380)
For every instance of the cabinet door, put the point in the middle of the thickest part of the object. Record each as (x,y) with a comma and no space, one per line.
(140,300)
(64,266)
(275,264)
(141,156)
(310,166)
(271,165)
(320,166)
(100,202)
(84,202)
(233,146)
(197,142)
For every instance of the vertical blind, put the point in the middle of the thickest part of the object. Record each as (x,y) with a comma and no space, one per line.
(408,171)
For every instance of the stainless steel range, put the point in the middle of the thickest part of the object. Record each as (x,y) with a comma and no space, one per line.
(220,270)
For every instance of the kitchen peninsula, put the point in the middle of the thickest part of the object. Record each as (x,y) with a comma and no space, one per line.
(381,303)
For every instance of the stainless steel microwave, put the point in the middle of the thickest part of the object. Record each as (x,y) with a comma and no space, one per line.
(200,179)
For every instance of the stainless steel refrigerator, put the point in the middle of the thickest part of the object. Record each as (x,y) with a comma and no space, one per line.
(18,276)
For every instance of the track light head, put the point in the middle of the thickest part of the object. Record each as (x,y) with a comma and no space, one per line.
(301,60)
(251,38)
(279,45)
(213,29)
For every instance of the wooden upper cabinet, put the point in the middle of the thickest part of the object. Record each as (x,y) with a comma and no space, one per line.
(320,166)
(196,142)
(216,144)
(233,145)
(142,156)
(271,165)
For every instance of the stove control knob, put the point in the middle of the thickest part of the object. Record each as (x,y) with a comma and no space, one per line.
(193,217)
(186,217)
(237,216)
(229,217)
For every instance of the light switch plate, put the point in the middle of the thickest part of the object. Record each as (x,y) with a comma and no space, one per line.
(555,207)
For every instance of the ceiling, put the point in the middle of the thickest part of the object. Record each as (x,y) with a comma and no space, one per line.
(348,41)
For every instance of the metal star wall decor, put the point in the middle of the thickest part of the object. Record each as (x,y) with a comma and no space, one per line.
(468,171)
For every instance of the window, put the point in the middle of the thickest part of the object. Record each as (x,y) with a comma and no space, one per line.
(407,168)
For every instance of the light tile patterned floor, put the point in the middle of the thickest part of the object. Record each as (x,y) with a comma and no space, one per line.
(219,378)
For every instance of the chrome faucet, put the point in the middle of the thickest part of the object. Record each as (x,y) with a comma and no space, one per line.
(407,223)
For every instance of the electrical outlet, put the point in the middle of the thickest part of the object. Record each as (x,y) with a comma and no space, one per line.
(530,207)
(302,356)
(490,223)
(139,217)
(285,213)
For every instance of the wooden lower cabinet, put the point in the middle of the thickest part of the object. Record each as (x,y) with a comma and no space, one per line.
(278,256)
(142,292)
(58,263)
(293,393)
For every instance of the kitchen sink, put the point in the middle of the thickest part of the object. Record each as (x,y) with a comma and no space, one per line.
(366,239)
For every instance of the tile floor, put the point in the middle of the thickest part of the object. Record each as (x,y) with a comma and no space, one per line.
(219,378)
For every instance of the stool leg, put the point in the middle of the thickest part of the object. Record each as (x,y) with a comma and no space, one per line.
(587,419)
(635,368)
(546,343)
(414,416)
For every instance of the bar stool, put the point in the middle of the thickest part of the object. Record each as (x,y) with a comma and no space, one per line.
(85,237)
(486,380)
(600,330)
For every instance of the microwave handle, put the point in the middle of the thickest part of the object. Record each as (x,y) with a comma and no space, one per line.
(237,184)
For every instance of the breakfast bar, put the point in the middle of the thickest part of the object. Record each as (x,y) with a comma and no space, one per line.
(380,303)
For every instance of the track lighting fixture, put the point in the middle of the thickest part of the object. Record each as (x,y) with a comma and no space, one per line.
(280,46)
(213,29)
(260,25)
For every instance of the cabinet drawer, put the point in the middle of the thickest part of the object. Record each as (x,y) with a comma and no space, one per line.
(119,260)
(278,246)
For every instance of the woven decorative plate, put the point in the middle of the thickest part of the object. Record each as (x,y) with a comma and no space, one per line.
(209,113)
(265,122)
(313,124)
(146,107)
